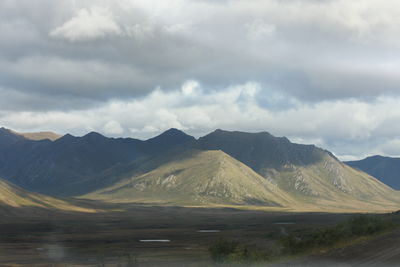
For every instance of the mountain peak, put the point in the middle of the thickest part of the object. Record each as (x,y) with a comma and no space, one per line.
(93,135)
(5,130)
(185,178)
(172,134)
(238,133)
(8,137)
(219,131)
(167,140)
(377,157)
(66,138)
(261,150)
(173,131)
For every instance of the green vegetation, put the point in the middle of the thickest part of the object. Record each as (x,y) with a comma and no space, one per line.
(221,250)
(304,242)
(363,225)
(230,251)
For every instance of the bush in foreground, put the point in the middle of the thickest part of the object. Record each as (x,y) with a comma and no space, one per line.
(363,225)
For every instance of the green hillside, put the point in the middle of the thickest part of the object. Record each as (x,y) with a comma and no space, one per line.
(196,178)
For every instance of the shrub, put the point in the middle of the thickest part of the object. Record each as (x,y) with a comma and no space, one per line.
(231,251)
(222,249)
(363,225)
(356,227)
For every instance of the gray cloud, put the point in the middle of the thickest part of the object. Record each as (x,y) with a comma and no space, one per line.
(64,60)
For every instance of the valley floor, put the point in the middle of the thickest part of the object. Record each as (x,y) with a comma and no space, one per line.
(113,238)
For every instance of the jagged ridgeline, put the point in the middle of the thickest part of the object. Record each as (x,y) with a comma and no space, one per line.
(221,168)
(309,174)
(71,166)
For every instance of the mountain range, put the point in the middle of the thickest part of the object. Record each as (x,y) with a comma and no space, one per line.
(221,168)
(386,169)
(70,165)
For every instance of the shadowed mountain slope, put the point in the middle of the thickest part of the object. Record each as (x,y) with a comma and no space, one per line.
(167,140)
(386,169)
(14,199)
(221,168)
(261,151)
(8,138)
(309,174)
(61,167)
(195,178)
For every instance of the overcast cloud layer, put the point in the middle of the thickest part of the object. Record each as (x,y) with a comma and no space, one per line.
(318,71)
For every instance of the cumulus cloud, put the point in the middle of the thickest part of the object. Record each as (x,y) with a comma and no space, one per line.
(324,72)
(341,126)
(113,128)
(88,24)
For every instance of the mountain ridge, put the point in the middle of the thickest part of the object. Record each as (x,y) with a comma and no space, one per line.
(50,166)
(197,177)
(386,169)
(93,164)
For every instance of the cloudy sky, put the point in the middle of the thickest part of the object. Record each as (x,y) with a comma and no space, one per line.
(317,71)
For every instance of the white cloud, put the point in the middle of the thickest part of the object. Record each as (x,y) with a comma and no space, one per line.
(324,72)
(343,126)
(258,29)
(113,128)
(88,24)
(190,87)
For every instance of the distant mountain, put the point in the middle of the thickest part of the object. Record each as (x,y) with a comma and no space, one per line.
(61,167)
(261,151)
(16,201)
(37,136)
(195,178)
(221,168)
(299,176)
(8,138)
(167,140)
(308,173)
(386,169)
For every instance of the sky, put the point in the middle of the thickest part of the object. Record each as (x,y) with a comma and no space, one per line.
(324,72)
